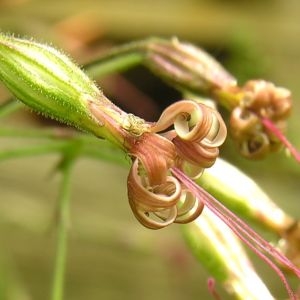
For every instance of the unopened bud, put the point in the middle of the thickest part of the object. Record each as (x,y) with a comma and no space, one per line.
(50,83)
(186,66)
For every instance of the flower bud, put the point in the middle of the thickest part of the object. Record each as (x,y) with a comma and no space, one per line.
(50,83)
(186,66)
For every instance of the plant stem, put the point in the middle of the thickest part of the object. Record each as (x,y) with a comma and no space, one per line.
(32,151)
(106,152)
(117,60)
(50,133)
(109,65)
(10,107)
(60,140)
(62,232)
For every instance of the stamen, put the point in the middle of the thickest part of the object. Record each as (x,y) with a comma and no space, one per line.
(269,125)
(211,284)
(242,230)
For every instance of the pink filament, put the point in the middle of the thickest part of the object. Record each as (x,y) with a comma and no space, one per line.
(253,240)
(211,284)
(271,127)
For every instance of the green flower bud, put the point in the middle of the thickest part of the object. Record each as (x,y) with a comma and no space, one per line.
(50,83)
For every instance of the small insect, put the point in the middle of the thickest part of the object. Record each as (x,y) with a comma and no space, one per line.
(134,125)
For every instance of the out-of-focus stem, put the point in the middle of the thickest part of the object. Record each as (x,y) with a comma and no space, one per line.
(118,59)
(62,232)
(112,63)
(54,147)
(10,107)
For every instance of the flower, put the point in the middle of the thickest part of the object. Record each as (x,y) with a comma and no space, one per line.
(156,197)
(261,103)
(50,83)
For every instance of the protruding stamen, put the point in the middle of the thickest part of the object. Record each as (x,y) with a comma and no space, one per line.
(271,127)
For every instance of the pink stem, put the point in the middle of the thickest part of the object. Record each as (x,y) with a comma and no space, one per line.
(211,284)
(271,127)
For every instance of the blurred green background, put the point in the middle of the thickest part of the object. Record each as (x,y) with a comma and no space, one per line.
(110,255)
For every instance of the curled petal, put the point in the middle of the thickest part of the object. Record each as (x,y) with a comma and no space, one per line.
(169,115)
(267,100)
(194,125)
(189,118)
(257,94)
(217,133)
(150,198)
(282,105)
(156,154)
(242,121)
(256,146)
(150,220)
(190,208)
(193,122)
(192,170)
(196,153)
